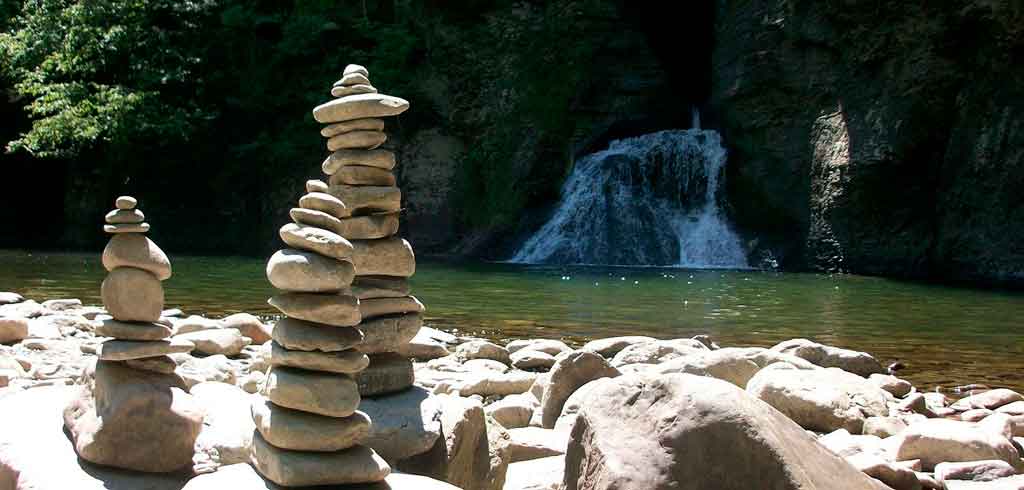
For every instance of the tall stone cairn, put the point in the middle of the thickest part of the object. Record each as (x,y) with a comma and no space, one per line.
(345,300)
(137,413)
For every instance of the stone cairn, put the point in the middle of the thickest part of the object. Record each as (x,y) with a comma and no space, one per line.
(345,300)
(137,413)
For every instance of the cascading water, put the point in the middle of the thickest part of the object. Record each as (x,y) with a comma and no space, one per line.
(648,200)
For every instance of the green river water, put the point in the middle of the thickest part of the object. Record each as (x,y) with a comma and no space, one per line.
(945,336)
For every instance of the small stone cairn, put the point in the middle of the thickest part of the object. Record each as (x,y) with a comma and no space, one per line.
(136,414)
(345,300)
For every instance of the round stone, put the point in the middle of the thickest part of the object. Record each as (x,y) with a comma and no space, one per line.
(300,431)
(372,158)
(16,329)
(132,295)
(296,334)
(123,350)
(135,250)
(354,78)
(371,124)
(331,309)
(368,199)
(125,216)
(353,140)
(388,333)
(345,91)
(127,228)
(369,227)
(354,68)
(314,185)
(345,362)
(320,201)
(387,373)
(318,240)
(386,257)
(363,175)
(373,307)
(125,202)
(366,287)
(327,394)
(132,331)
(307,272)
(359,106)
(357,464)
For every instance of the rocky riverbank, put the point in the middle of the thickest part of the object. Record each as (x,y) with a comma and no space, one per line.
(625,412)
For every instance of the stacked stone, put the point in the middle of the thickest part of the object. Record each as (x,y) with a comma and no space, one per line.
(309,429)
(137,414)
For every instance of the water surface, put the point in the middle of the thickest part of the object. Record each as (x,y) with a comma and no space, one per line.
(946,336)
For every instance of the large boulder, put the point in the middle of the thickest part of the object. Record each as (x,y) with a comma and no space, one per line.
(137,420)
(822,399)
(404,424)
(613,345)
(935,441)
(461,455)
(733,364)
(226,436)
(534,442)
(567,375)
(679,431)
(657,351)
(244,477)
(859,363)
(536,474)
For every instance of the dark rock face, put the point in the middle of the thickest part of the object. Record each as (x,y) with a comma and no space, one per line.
(880,140)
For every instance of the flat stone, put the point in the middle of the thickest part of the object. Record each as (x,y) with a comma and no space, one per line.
(125,202)
(354,68)
(124,216)
(321,201)
(534,443)
(496,384)
(423,347)
(132,331)
(312,217)
(135,250)
(123,350)
(482,349)
(345,362)
(13,330)
(328,394)
(308,272)
(405,424)
(368,199)
(194,323)
(387,333)
(244,477)
(358,107)
(383,159)
(386,373)
(248,325)
(357,140)
(366,287)
(369,227)
(357,464)
(883,426)
(294,334)
(898,387)
(353,90)
(974,470)
(224,341)
(531,359)
(385,257)
(127,228)
(314,185)
(374,307)
(935,441)
(355,125)
(300,431)
(131,294)
(354,78)
(339,310)
(10,298)
(317,240)
(363,175)
(158,364)
(547,346)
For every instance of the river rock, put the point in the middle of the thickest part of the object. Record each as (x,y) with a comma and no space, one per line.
(991,399)
(657,352)
(108,327)
(351,140)
(367,287)
(613,345)
(572,405)
(883,426)
(859,363)
(567,375)
(10,298)
(195,370)
(346,361)
(387,373)
(388,333)
(482,349)
(405,424)
(382,159)
(296,334)
(384,257)
(892,474)
(13,330)
(354,78)
(329,394)
(531,359)
(228,342)
(317,240)
(321,201)
(125,202)
(935,441)
(136,420)
(243,476)
(513,411)
(460,456)
(362,175)
(131,294)
(368,199)
(974,470)
(315,185)
(125,216)
(194,323)
(299,271)
(158,364)
(248,325)
(369,227)
(302,431)
(314,218)
(896,386)
(533,443)
(638,432)
(423,347)
(357,464)
(340,310)
(822,399)
(374,307)
(226,436)
(495,383)
(536,474)
(548,346)
(123,350)
(354,68)
(358,107)
(354,125)
(344,91)
(127,228)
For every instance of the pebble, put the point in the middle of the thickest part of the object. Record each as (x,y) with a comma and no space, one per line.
(314,185)
(125,202)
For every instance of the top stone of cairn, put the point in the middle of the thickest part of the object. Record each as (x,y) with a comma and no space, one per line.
(357,99)
(353,68)
(126,202)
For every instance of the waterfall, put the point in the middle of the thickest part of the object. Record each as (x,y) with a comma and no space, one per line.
(649,200)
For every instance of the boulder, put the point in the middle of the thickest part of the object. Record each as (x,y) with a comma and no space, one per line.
(225,341)
(613,345)
(329,394)
(572,405)
(536,474)
(513,411)
(974,470)
(935,441)
(339,310)
(226,436)
(302,431)
(357,464)
(248,325)
(659,432)
(135,250)
(404,424)
(499,454)
(308,272)
(13,330)
(131,294)
(531,359)
(991,399)
(244,477)
(534,442)
(823,399)
(859,363)
(548,346)
(657,352)
(461,455)
(136,420)
(896,386)
(482,349)
(567,375)
(297,334)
